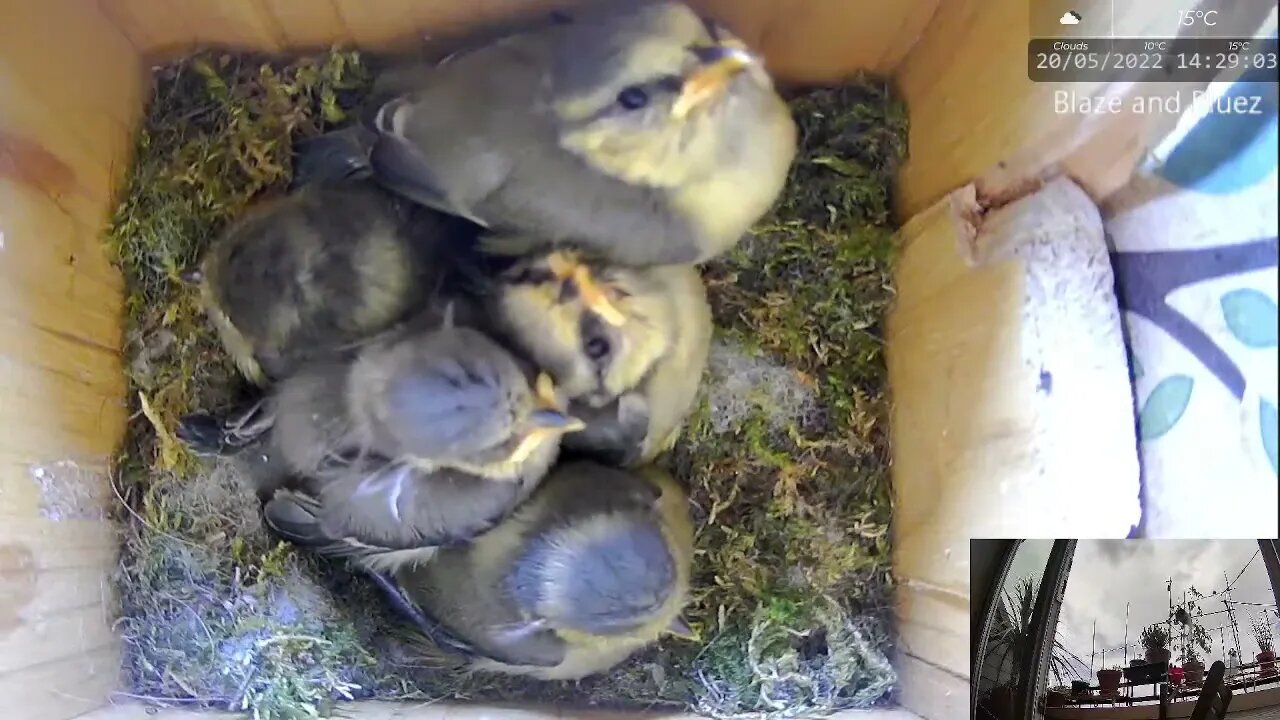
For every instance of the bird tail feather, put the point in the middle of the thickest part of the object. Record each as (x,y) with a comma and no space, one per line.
(335,156)
(295,516)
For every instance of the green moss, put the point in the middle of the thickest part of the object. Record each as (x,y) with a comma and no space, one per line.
(216,611)
(217,135)
(788,473)
(794,570)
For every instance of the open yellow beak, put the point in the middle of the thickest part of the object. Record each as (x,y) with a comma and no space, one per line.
(562,263)
(720,64)
(548,413)
(568,267)
(595,297)
(544,390)
(548,420)
(542,433)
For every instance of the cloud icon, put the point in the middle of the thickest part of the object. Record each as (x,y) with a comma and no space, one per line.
(1071,17)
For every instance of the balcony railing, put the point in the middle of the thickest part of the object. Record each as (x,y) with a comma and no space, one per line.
(1245,678)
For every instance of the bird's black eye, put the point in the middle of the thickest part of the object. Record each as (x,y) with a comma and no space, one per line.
(596,348)
(671,83)
(531,276)
(633,98)
(712,28)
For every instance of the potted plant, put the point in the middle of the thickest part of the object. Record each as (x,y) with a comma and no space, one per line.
(1261,631)
(1079,688)
(1192,636)
(1155,639)
(1057,696)
(1000,702)
(1109,681)
(1141,672)
(1192,666)
(1008,650)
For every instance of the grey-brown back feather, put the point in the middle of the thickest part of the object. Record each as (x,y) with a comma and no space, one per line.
(329,266)
(354,432)
(486,146)
(381,515)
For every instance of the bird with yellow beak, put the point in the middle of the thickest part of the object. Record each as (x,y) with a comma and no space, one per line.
(420,439)
(591,569)
(642,132)
(626,345)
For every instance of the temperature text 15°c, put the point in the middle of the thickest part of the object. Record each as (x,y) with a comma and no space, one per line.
(1189,18)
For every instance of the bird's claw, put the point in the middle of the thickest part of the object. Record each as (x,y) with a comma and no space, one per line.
(203,434)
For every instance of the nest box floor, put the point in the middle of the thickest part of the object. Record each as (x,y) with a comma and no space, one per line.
(786,457)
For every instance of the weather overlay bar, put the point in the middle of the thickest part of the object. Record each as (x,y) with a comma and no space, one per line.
(1183,59)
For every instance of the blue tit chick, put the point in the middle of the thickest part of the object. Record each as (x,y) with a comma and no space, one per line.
(592,568)
(422,438)
(303,276)
(626,345)
(641,131)
(446,397)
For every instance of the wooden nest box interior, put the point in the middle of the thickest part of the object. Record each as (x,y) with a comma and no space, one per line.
(992,166)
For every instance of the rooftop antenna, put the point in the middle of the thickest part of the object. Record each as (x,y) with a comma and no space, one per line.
(1126,634)
(1187,620)
(1231,614)
(1094,652)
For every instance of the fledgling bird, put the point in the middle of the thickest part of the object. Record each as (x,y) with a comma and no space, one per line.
(448,397)
(332,264)
(626,345)
(421,439)
(593,567)
(641,131)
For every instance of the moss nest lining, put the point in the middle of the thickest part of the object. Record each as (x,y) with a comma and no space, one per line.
(786,456)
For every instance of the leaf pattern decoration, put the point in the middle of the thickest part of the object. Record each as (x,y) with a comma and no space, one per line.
(1165,406)
(1251,317)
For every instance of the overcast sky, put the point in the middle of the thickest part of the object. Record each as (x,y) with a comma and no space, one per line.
(1106,574)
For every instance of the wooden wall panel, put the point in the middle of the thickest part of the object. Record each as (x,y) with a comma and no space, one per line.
(48,154)
(930,691)
(58,654)
(954,344)
(91,365)
(983,383)
(803,40)
(389,23)
(63,489)
(94,69)
(75,104)
(153,26)
(233,22)
(64,688)
(824,41)
(308,23)
(71,90)
(45,437)
(983,447)
(80,423)
(953,339)
(47,638)
(53,257)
